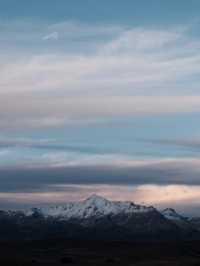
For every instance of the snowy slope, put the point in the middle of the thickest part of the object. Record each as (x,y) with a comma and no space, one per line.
(94,206)
(171,214)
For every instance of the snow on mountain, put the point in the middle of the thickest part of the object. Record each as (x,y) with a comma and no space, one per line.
(97,218)
(94,206)
(171,214)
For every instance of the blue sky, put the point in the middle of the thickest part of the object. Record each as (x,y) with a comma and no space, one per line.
(100,88)
(132,11)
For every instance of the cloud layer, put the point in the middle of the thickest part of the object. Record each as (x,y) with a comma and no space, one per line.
(92,72)
(61,83)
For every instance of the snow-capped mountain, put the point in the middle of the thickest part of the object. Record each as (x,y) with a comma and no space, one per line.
(94,206)
(95,218)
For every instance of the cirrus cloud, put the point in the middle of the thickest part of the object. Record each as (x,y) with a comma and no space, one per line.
(89,74)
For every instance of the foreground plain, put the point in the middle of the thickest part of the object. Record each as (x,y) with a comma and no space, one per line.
(67,252)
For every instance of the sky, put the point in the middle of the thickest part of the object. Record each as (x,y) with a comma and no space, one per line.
(100,97)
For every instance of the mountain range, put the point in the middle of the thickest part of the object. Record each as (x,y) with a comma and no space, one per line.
(98,218)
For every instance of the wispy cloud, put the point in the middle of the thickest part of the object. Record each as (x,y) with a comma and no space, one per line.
(125,67)
(193,143)
(57,111)
(132,60)
(52,36)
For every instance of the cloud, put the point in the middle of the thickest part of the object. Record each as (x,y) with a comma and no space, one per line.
(81,31)
(139,40)
(133,60)
(52,36)
(58,177)
(104,169)
(193,143)
(95,71)
(73,74)
(57,111)
(24,142)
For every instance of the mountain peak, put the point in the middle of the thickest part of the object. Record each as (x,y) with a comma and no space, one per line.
(94,198)
(171,214)
(94,206)
(169,210)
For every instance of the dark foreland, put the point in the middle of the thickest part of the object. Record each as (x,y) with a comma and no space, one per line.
(97,231)
(73,252)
